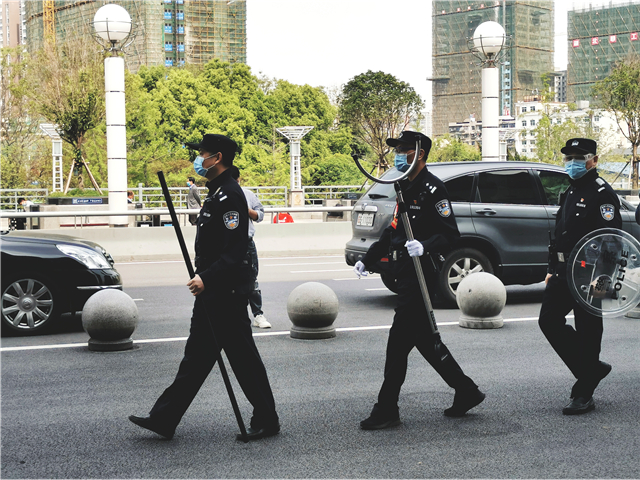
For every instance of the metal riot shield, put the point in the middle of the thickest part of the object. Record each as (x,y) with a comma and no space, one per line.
(603,272)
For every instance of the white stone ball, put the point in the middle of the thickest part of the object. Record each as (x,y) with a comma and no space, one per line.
(481,295)
(110,315)
(312,305)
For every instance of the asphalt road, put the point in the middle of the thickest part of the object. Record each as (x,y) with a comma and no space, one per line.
(64,409)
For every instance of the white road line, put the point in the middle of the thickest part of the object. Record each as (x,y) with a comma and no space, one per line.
(146,263)
(376,289)
(370,277)
(266,259)
(319,271)
(258,334)
(298,264)
(138,299)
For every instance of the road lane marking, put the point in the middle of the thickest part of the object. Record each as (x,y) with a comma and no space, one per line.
(319,271)
(298,264)
(257,334)
(376,289)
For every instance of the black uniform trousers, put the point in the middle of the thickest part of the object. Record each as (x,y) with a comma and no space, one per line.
(232,327)
(411,329)
(579,347)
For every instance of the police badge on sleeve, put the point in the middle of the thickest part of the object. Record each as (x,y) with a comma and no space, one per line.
(231,220)
(444,208)
(608,212)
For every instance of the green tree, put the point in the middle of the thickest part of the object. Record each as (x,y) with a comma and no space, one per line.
(619,93)
(67,89)
(377,106)
(449,149)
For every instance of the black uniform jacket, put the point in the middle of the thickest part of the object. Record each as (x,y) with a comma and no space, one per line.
(222,237)
(587,205)
(431,217)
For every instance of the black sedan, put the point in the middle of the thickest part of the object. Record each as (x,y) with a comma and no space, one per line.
(46,275)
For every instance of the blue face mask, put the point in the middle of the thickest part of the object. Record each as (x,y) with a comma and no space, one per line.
(197,165)
(575,168)
(400,161)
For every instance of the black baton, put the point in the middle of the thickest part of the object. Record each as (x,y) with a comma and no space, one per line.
(187,261)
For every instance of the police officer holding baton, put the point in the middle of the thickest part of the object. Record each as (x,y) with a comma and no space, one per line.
(223,280)
(434,227)
(588,204)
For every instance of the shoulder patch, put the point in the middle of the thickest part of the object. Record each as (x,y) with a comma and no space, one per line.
(444,208)
(231,220)
(608,211)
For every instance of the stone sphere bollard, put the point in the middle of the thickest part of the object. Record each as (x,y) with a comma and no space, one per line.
(481,298)
(312,308)
(110,317)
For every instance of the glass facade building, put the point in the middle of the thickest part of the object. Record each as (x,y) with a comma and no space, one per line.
(598,38)
(457,85)
(168,32)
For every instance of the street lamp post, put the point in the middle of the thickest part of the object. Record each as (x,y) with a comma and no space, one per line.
(112,25)
(487,43)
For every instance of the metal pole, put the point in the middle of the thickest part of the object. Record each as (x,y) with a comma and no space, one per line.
(217,349)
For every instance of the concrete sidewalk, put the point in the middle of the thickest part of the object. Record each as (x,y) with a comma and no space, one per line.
(64,413)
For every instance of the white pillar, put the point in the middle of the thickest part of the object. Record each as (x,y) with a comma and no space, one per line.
(116,138)
(490,113)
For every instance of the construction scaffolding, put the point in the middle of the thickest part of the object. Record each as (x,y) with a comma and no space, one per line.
(457,84)
(168,32)
(598,38)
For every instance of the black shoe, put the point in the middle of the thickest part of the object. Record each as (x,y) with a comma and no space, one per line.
(579,405)
(149,424)
(257,434)
(464,401)
(378,421)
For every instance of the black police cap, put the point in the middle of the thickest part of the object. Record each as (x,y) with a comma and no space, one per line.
(214,143)
(580,146)
(407,137)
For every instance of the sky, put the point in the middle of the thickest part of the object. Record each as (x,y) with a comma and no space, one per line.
(328,42)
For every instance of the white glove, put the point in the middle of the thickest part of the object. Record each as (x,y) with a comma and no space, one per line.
(359,269)
(415,248)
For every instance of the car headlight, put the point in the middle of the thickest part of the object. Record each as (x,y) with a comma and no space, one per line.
(86,256)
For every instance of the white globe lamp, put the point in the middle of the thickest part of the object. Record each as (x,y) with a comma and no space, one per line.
(489,38)
(112,23)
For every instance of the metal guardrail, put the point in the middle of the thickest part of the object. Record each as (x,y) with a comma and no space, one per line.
(152,196)
(182,213)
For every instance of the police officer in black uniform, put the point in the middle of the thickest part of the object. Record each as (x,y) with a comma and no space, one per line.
(435,229)
(221,285)
(588,204)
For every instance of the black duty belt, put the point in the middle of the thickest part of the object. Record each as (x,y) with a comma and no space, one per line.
(205,262)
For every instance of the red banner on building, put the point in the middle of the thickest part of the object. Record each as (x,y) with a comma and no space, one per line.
(634,36)
(576,42)
(613,38)
(595,40)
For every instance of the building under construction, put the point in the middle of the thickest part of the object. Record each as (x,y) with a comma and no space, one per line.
(457,84)
(167,32)
(598,38)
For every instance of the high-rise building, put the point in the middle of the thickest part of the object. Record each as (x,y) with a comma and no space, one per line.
(10,23)
(599,36)
(457,85)
(168,32)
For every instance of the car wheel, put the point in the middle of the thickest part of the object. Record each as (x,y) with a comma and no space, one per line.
(460,264)
(28,305)
(389,282)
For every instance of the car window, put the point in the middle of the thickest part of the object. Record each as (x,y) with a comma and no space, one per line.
(553,183)
(507,186)
(460,188)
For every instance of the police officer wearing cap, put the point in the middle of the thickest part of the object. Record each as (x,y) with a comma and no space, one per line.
(435,230)
(222,282)
(588,204)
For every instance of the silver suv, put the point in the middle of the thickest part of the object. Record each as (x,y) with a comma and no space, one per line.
(505,213)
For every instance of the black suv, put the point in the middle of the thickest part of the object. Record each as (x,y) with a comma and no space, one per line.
(505,213)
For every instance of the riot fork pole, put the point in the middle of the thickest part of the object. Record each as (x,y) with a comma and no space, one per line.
(187,261)
(402,209)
